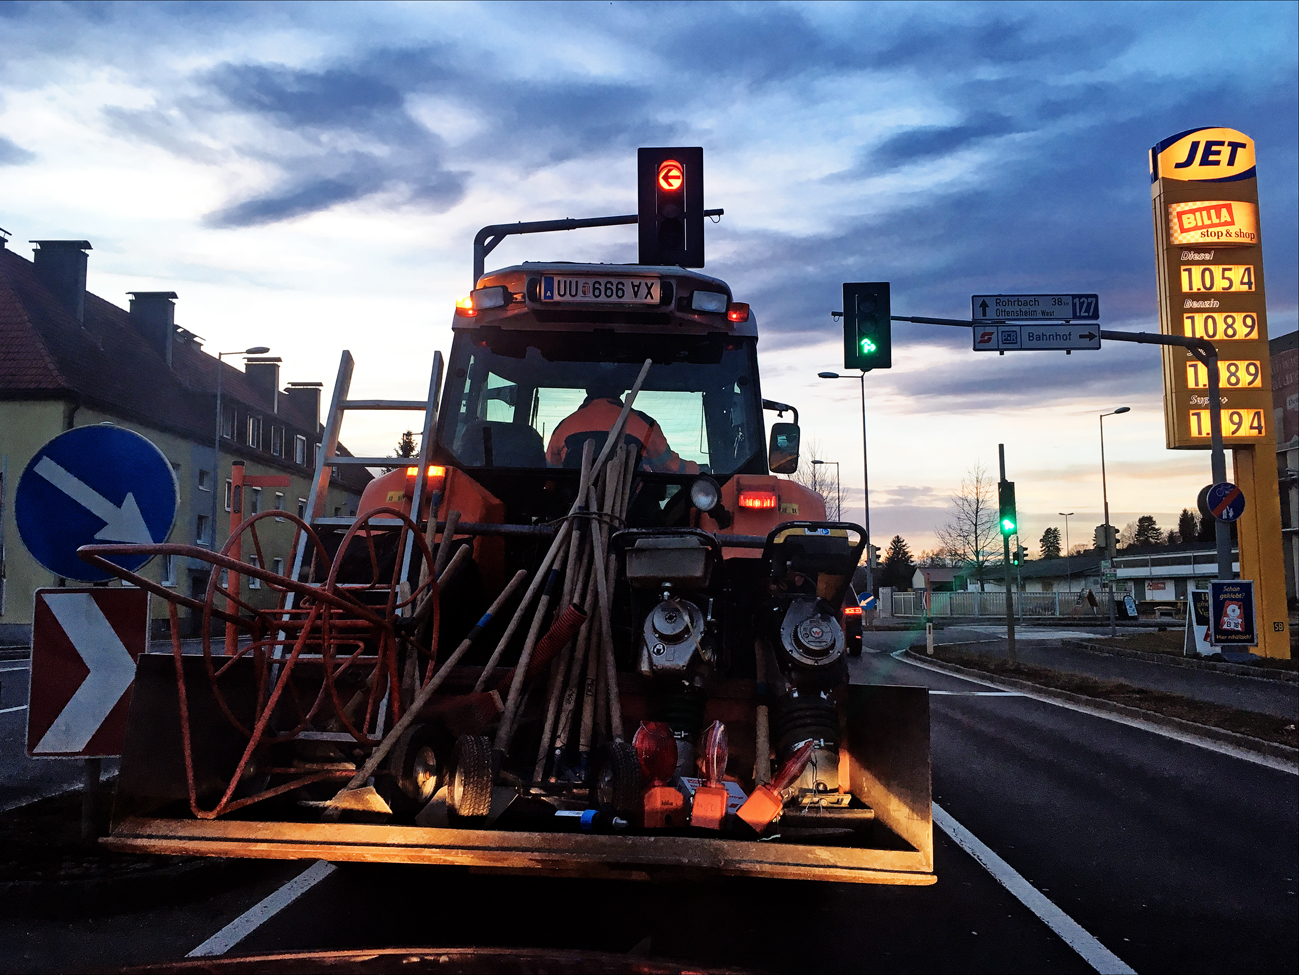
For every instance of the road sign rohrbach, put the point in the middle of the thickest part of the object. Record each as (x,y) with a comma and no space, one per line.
(100,483)
(1005,337)
(1035,308)
(84,646)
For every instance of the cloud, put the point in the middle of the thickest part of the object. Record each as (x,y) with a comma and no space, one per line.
(12,154)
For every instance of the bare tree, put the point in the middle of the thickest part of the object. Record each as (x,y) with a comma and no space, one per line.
(818,477)
(970,537)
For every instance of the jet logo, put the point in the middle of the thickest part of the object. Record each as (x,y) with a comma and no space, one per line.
(1211,155)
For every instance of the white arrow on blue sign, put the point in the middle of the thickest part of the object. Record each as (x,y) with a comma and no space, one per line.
(92,485)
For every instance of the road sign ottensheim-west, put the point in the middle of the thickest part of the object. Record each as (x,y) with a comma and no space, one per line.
(867,329)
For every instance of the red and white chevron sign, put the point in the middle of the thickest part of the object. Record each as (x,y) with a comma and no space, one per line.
(84,646)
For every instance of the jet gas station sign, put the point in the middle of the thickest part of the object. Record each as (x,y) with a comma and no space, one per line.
(1210,275)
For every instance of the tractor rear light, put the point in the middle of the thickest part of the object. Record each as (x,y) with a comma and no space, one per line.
(495,297)
(434,472)
(709,301)
(762,500)
(852,611)
(737,311)
(656,749)
(465,307)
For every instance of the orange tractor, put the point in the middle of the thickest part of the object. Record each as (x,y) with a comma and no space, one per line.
(589,629)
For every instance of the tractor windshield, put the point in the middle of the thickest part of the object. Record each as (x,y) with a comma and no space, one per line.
(521,399)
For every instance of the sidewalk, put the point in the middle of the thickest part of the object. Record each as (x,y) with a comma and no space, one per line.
(1275,698)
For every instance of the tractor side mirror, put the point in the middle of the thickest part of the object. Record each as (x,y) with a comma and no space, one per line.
(782,452)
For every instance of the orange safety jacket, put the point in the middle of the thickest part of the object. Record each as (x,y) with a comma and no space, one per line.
(597,416)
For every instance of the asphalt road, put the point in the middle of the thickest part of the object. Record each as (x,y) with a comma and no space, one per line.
(1174,857)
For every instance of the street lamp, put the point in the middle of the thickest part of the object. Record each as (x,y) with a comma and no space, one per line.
(838,494)
(1067,573)
(865,477)
(216,439)
(1109,529)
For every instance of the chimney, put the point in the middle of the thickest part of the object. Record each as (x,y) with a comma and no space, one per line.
(263,375)
(155,317)
(305,398)
(61,266)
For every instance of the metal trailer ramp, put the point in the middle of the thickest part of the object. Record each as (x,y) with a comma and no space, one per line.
(887,755)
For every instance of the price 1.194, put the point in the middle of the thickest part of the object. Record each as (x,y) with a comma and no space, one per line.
(1235,423)
(1232,374)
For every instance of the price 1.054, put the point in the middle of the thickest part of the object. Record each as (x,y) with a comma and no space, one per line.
(1235,423)
(1222,326)
(1217,277)
(1232,373)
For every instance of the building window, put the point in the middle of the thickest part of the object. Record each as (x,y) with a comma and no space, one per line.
(204,480)
(255,432)
(230,489)
(254,501)
(277,566)
(300,451)
(201,530)
(168,572)
(228,423)
(302,508)
(277,441)
(279,503)
(253,581)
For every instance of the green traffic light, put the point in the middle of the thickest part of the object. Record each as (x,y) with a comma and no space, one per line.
(867,346)
(1007,526)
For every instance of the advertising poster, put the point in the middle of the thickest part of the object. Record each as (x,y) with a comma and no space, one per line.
(1231,614)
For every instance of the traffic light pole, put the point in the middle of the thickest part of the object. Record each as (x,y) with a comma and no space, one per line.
(1005,548)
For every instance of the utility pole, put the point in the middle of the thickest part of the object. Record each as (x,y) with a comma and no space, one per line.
(1005,548)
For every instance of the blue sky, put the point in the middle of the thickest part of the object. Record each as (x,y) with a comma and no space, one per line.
(310,177)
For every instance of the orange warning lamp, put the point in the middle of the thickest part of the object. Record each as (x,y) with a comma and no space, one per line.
(709,806)
(662,805)
(766,802)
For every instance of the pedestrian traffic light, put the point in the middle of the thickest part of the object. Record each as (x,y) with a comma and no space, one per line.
(1006,502)
(867,330)
(670,205)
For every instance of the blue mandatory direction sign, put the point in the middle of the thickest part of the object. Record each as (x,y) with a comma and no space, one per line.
(94,485)
(1226,501)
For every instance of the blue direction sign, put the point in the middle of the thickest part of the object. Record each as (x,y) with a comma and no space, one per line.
(94,485)
(1225,501)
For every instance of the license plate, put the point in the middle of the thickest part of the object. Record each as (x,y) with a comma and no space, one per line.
(621,291)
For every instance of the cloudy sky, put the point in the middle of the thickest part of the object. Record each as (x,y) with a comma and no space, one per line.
(310,177)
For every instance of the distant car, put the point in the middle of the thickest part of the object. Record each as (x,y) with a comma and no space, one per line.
(852,617)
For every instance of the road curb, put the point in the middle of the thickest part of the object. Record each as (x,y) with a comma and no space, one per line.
(1269,748)
(1240,670)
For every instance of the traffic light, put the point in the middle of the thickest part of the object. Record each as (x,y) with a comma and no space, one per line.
(670,205)
(867,330)
(1017,557)
(1006,504)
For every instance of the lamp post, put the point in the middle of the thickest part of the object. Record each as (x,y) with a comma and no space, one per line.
(865,477)
(1109,529)
(838,494)
(1068,575)
(216,439)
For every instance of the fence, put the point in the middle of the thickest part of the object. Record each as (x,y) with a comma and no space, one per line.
(1027,604)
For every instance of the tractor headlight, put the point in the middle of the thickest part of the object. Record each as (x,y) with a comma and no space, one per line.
(704,493)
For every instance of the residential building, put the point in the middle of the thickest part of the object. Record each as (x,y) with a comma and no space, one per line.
(1284,353)
(69,358)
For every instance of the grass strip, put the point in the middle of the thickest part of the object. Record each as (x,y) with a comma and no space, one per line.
(1255,725)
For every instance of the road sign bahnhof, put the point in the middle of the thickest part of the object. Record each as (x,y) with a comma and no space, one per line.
(1210,276)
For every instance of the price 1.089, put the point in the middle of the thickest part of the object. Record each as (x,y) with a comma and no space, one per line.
(1223,326)
(1235,423)
(1232,373)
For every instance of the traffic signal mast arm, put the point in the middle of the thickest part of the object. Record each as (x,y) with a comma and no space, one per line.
(485,240)
(1206,353)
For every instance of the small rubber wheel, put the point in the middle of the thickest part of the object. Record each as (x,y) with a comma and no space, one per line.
(617,779)
(414,766)
(469,788)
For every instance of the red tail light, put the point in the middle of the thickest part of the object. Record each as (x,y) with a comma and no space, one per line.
(737,311)
(758,499)
(852,611)
(465,307)
(656,748)
(716,751)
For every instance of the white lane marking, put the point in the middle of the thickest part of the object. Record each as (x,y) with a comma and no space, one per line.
(1070,931)
(21,707)
(1222,748)
(979,693)
(14,670)
(261,912)
(112,669)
